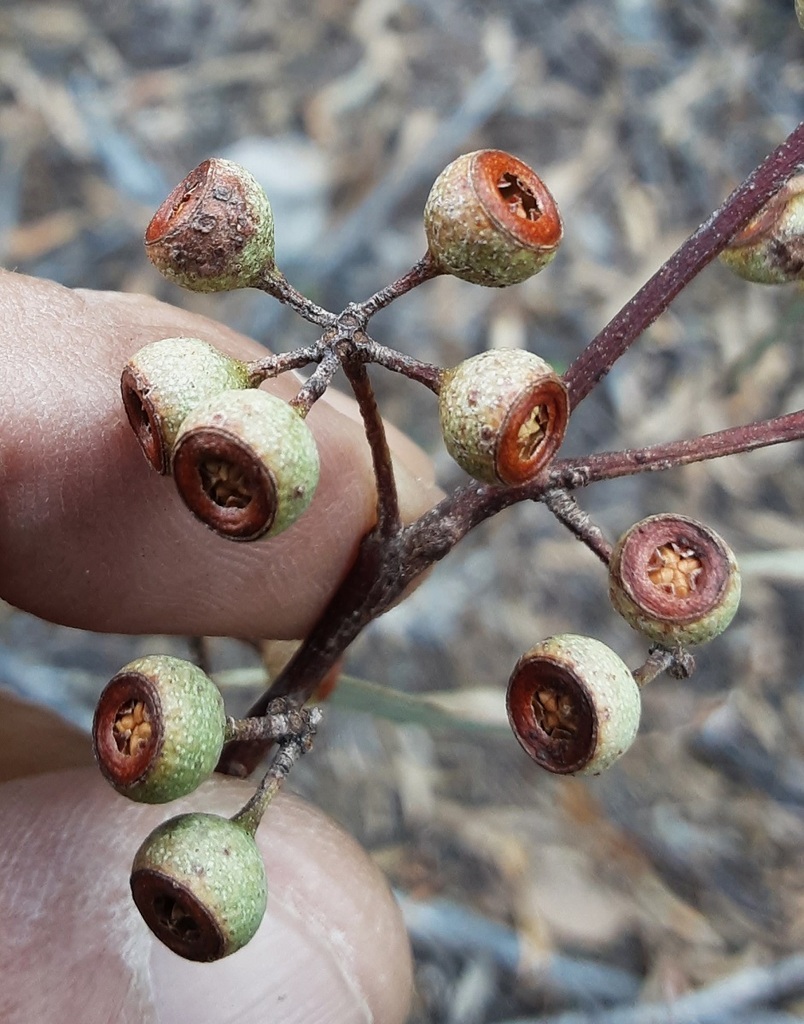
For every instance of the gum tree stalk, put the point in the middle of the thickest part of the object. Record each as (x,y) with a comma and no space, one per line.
(390,556)
(687,262)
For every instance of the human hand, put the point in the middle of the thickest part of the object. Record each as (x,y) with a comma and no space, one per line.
(91,537)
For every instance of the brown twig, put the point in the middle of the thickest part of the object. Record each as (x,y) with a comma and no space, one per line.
(570,514)
(687,262)
(420,272)
(277,285)
(390,557)
(571,473)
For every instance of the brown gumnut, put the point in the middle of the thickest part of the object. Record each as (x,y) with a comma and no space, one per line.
(215,231)
(675,580)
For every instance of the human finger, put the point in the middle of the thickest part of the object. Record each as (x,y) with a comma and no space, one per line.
(91,537)
(331,948)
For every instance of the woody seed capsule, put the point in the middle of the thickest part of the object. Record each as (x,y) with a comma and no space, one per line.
(503,415)
(675,580)
(215,231)
(573,705)
(246,464)
(158,729)
(490,220)
(198,881)
(770,248)
(163,381)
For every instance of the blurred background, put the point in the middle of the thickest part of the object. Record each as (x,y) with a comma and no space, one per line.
(525,894)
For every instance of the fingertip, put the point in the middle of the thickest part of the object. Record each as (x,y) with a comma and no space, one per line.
(332,946)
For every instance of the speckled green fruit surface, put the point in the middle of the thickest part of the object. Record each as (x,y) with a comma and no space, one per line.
(246,464)
(770,248)
(199,883)
(215,231)
(490,220)
(503,415)
(158,729)
(675,580)
(573,705)
(163,381)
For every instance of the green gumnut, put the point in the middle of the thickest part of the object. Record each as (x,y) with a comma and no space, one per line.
(770,248)
(573,705)
(246,464)
(490,220)
(159,729)
(215,231)
(199,883)
(164,381)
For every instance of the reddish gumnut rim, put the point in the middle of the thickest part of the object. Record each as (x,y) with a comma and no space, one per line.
(674,579)
(551,715)
(224,484)
(127,730)
(176,917)
(144,421)
(532,431)
(516,199)
(180,206)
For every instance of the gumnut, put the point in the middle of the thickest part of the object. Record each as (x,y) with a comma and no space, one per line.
(164,381)
(215,231)
(158,729)
(490,220)
(675,580)
(198,881)
(573,705)
(503,415)
(246,464)
(770,248)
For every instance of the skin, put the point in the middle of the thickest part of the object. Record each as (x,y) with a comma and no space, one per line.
(91,537)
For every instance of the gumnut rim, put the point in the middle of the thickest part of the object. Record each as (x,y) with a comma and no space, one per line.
(573,705)
(215,231)
(144,420)
(533,430)
(503,414)
(516,199)
(674,579)
(126,751)
(225,485)
(491,220)
(198,881)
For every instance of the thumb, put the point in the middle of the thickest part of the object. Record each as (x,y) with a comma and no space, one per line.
(91,537)
(331,946)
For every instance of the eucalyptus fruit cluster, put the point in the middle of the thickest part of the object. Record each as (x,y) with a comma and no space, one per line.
(245,463)
(198,879)
(573,703)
